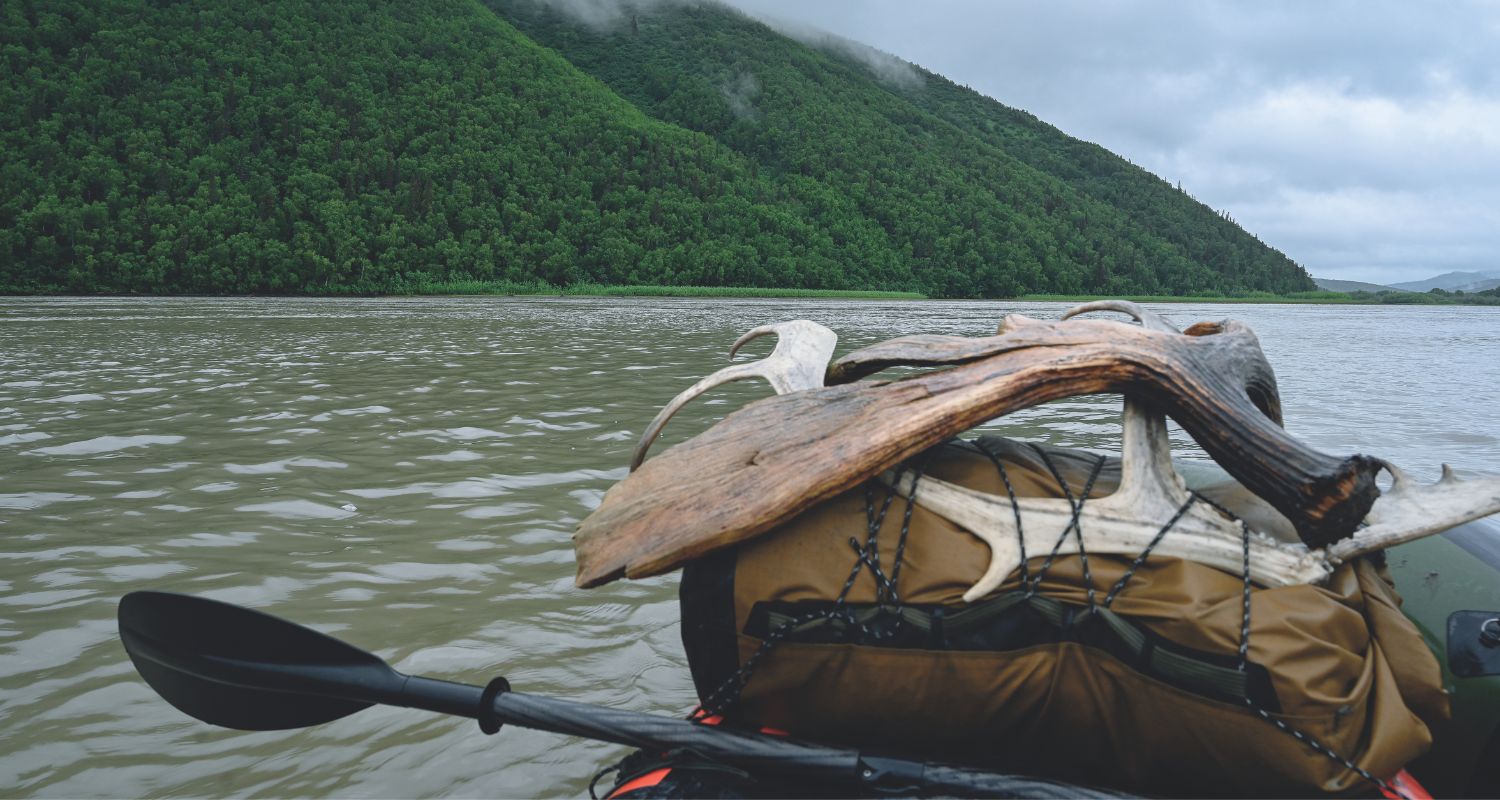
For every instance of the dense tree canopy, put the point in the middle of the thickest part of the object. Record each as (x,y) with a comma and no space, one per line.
(374,146)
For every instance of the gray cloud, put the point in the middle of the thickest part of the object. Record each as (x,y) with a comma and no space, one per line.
(607,15)
(596,14)
(886,68)
(1363,139)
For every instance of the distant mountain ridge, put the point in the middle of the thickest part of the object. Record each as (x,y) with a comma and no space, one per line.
(1454,281)
(291,146)
(1448,281)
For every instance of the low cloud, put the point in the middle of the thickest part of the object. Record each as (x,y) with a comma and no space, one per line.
(607,15)
(740,93)
(600,15)
(885,67)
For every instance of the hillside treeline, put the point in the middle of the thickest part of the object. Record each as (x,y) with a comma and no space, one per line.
(373,146)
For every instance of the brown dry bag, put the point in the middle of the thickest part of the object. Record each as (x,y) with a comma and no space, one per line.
(847,625)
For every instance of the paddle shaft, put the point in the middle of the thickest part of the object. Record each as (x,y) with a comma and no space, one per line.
(751,751)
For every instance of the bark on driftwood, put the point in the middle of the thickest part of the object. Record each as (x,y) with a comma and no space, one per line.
(765,464)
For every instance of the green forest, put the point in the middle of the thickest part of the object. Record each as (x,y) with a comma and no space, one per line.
(378,147)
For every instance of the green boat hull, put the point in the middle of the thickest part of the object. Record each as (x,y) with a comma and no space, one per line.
(1437,576)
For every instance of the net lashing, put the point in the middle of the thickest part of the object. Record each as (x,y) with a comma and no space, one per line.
(887,595)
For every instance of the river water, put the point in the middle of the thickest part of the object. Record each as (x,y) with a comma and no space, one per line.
(406,473)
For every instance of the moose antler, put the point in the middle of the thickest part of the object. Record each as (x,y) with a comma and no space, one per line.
(1151,493)
(802,351)
(1409,511)
(1213,378)
(1125,522)
(770,461)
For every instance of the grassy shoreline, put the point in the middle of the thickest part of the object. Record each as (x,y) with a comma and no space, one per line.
(538,289)
(458,288)
(448,288)
(1301,297)
(453,288)
(1320,298)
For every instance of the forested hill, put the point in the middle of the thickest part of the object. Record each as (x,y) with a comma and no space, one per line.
(977,197)
(377,146)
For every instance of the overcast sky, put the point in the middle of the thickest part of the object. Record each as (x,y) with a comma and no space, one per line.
(1360,138)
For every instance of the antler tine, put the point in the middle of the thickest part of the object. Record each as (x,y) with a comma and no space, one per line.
(1147,476)
(1111,524)
(1150,320)
(803,350)
(1409,511)
(1150,492)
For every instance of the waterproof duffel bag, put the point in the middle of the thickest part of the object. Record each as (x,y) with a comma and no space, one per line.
(847,625)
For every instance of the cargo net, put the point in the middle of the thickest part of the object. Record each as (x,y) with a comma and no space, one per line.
(888,598)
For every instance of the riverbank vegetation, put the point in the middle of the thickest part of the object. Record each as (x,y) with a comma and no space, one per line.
(1205,297)
(376,147)
(600,290)
(1435,297)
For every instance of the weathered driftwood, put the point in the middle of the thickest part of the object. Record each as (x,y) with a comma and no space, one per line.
(770,461)
(1214,381)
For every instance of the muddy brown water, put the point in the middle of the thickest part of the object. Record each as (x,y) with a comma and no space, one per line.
(406,473)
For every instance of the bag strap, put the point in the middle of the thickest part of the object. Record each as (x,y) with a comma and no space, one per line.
(1182,669)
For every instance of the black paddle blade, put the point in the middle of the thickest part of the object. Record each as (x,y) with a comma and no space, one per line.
(238,668)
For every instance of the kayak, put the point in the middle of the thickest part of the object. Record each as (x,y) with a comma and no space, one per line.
(644,775)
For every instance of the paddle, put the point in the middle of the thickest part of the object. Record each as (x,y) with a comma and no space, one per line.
(243,669)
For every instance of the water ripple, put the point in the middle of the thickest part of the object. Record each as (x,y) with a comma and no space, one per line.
(103,444)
